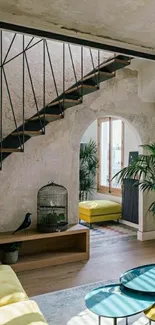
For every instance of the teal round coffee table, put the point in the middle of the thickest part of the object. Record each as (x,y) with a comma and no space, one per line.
(140,279)
(115,301)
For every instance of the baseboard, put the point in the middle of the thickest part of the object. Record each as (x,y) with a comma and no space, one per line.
(128,223)
(146,235)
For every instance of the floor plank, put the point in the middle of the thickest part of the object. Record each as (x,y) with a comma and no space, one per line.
(107,260)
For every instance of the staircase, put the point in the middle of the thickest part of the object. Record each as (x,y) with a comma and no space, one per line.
(55,110)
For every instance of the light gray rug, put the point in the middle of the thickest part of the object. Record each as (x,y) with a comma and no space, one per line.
(67,307)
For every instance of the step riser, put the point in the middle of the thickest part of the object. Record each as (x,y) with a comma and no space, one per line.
(114,67)
(13,141)
(83,92)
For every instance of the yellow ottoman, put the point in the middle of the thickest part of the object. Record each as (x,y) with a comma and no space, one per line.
(10,288)
(99,210)
(22,313)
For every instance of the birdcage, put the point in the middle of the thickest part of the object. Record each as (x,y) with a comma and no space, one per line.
(52,214)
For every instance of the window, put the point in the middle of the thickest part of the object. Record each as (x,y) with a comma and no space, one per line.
(111,154)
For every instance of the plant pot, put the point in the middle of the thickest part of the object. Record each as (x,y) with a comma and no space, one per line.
(10,257)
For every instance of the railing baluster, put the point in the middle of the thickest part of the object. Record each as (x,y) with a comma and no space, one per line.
(1,100)
(27,46)
(44,80)
(91,55)
(23,94)
(63,72)
(7,53)
(73,66)
(98,68)
(52,70)
(92,60)
(82,70)
(63,75)
(34,95)
(11,104)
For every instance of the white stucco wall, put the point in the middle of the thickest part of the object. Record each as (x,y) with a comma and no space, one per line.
(55,156)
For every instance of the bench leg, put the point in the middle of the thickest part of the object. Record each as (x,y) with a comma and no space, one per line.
(90,226)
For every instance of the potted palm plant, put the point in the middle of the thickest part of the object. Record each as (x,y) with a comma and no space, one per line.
(143,171)
(88,169)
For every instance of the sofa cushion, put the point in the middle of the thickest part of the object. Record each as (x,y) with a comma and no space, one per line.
(22,313)
(99,207)
(10,288)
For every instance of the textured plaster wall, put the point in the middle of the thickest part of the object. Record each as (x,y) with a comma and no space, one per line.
(55,156)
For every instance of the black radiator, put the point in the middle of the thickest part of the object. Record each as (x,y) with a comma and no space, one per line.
(130,201)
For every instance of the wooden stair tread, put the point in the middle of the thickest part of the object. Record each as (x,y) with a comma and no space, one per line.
(80,86)
(100,73)
(10,150)
(104,64)
(47,116)
(66,100)
(27,132)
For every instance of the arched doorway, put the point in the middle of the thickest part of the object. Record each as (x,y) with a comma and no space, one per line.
(128,148)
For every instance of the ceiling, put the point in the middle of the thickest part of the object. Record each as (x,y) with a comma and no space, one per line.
(125,21)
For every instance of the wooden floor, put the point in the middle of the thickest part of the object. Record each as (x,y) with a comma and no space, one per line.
(106,262)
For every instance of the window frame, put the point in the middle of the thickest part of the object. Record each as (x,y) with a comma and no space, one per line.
(101,188)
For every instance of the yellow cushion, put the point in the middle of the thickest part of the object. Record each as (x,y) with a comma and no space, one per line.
(100,218)
(99,207)
(22,313)
(10,288)
(150,313)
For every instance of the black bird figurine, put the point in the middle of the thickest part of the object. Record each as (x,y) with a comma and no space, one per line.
(25,224)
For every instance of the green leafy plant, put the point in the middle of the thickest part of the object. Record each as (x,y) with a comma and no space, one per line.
(143,171)
(11,247)
(88,167)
